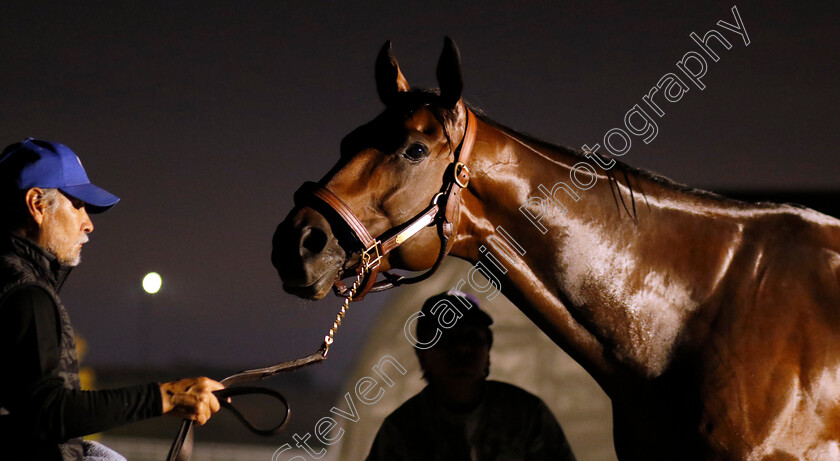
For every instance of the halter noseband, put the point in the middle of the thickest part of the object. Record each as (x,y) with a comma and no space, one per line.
(437,212)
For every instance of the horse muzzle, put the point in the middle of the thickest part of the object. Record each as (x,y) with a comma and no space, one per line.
(306,254)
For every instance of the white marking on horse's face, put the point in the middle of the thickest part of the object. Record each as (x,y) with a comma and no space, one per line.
(655,303)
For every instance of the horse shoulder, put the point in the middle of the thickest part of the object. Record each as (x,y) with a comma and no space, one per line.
(772,362)
(795,273)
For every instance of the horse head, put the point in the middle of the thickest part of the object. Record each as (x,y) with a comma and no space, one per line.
(390,171)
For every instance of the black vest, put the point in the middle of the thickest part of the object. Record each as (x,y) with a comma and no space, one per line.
(24,263)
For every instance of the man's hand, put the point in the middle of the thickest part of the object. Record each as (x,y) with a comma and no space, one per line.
(190,398)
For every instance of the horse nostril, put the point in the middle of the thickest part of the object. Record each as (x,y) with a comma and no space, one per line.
(313,240)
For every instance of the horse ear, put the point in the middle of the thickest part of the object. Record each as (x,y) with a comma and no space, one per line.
(389,79)
(449,74)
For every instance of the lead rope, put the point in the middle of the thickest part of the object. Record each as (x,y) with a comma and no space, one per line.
(182,447)
(328,340)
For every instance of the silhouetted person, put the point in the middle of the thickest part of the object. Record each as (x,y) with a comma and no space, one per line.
(460,415)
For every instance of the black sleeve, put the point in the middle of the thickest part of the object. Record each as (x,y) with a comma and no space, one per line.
(35,394)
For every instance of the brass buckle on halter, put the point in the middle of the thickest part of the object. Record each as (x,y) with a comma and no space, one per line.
(372,255)
(457,171)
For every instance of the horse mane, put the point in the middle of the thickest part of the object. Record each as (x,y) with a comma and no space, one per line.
(621,167)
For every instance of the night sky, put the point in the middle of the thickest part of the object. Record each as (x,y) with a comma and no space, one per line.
(204,117)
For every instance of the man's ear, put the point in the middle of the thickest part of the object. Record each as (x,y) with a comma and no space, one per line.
(35,204)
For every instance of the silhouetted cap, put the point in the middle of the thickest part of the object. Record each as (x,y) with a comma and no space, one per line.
(434,312)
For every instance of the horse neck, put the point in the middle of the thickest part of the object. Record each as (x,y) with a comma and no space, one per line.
(612,278)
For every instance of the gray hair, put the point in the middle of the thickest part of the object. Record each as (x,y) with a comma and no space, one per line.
(15,210)
(51,200)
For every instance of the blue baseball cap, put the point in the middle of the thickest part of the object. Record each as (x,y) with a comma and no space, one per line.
(50,165)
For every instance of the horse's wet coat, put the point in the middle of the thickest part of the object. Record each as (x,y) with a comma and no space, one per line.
(713,324)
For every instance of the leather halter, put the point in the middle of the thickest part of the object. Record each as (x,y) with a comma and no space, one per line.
(441,211)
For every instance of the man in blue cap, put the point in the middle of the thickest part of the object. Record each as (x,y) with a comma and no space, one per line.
(45,197)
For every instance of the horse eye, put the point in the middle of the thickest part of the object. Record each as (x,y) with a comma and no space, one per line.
(415,152)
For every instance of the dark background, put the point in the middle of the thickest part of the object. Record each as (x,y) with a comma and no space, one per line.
(205,117)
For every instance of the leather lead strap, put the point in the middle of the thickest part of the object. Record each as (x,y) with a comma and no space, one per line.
(182,446)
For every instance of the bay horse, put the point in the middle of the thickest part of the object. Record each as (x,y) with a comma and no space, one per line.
(712,324)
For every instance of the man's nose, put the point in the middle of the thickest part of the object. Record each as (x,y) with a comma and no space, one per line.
(87,224)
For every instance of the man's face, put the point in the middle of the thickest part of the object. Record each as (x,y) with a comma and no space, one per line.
(64,231)
(462,353)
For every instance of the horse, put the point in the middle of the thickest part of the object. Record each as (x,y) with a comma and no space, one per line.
(712,324)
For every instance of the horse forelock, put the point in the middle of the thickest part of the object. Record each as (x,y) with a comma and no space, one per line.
(407,103)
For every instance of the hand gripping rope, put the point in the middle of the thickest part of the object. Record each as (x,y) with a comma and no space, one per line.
(182,446)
